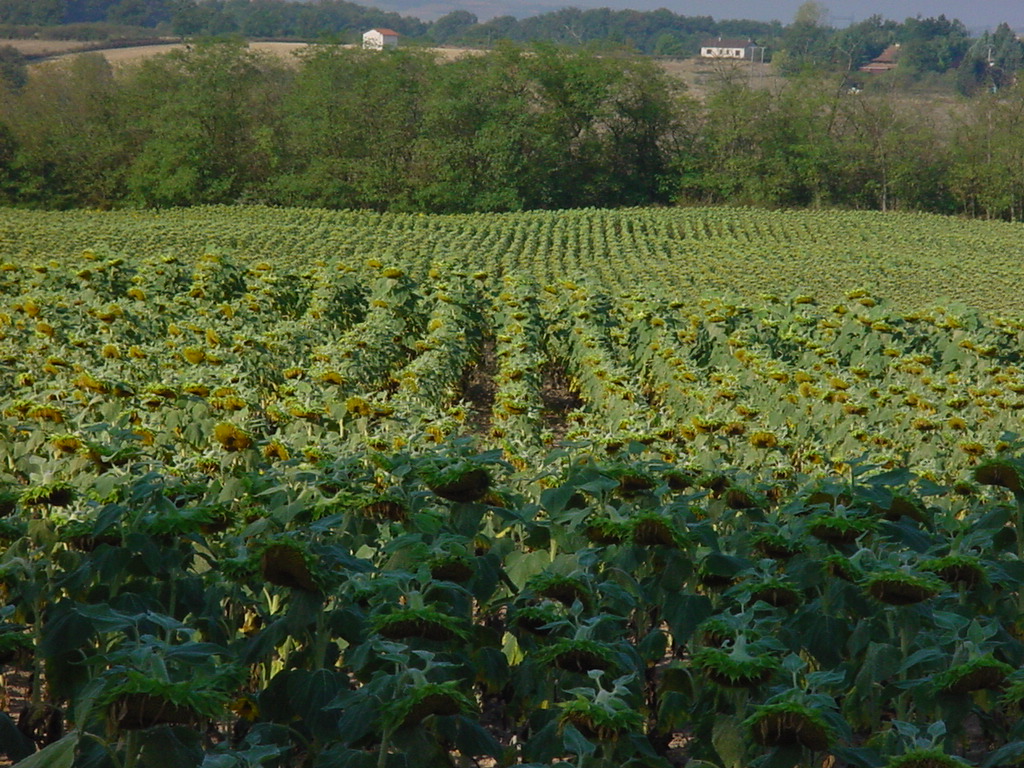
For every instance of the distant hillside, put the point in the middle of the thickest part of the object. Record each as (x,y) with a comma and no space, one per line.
(929,46)
(480,23)
(259,18)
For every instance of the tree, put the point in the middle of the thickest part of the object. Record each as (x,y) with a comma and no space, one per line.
(192,18)
(13,69)
(452,25)
(498,28)
(992,63)
(9,186)
(142,13)
(987,173)
(352,124)
(890,158)
(72,143)
(475,150)
(41,12)
(764,148)
(546,127)
(932,44)
(806,41)
(861,42)
(646,130)
(811,12)
(668,44)
(265,18)
(206,119)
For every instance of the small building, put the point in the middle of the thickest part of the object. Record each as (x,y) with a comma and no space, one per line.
(884,62)
(728,48)
(379,39)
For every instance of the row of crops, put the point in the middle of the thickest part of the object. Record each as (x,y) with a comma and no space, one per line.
(304,489)
(913,260)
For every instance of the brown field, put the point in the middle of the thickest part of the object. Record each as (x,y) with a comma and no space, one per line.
(130,55)
(46,47)
(697,74)
(57,49)
(701,74)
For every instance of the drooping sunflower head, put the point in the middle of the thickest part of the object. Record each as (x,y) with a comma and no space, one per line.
(231,437)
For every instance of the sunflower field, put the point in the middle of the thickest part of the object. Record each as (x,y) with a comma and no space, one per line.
(712,488)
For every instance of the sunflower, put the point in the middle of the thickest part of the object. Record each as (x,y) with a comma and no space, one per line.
(736,668)
(1000,472)
(789,723)
(231,437)
(897,587)
(984,672)
(275,451)
(932,757)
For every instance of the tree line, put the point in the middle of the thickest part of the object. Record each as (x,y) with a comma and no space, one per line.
(341,127)
(929,44)
(90,19)
(510,129)
(644,30)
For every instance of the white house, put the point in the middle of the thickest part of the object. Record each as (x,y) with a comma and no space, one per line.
(379,39)
(727,48)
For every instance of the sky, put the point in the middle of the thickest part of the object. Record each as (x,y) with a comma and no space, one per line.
(977,15)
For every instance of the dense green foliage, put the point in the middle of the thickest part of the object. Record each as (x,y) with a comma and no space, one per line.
(807,42)
(992,62)
(298,488)
(273,18)
(53,12)
(13,68)
(926,45)
(346,128)
(660,32)
(510,129)
(265,18)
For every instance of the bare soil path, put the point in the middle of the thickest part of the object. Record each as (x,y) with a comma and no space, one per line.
(559,400)
(478,389)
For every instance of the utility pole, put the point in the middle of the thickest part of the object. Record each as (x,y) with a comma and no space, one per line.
(760,70)
(989,65)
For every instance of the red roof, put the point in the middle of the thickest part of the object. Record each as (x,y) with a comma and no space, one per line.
(385,32)
(878,66)
(889,55)
(884,62)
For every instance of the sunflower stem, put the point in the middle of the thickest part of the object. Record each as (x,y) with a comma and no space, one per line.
(1018,530)
(115,758)
(321,639)
(172,607)
(382,755)
(902,703)
(36,694)
(131,749)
